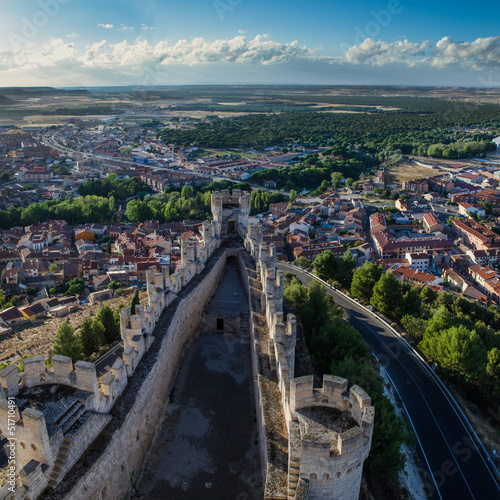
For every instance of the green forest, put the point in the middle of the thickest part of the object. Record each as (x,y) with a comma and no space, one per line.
(414,123)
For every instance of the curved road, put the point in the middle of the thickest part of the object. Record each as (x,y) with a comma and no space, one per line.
(457,468)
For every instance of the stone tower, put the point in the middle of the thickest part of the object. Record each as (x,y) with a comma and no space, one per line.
(230,211)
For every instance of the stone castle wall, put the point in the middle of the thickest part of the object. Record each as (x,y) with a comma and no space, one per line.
(110,477)
(325,458)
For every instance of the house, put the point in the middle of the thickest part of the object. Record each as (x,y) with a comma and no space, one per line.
(84,234)
(38,310)
(390,247)
(475,234)
(27,313)
(417,186)
(470,178)
(418,261)
(11,316)
(312,250)
(431,223)
(100,282)
(377,223)
(417,277)
(466,209)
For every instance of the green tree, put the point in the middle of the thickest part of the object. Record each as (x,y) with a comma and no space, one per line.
(88,338)
(346,267)
(67,343)
(414,326)
(187,192)
(493,366)
(135,302)
(336,179)
(108,247)
(303,263)
(364,279)
(326,265)
(53,268)
(387,296)
(99,331)
(106,317)
(114,285)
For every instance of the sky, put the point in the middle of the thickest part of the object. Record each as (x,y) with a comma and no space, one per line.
(83,43)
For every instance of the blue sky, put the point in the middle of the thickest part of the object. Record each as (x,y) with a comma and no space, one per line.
(90,42)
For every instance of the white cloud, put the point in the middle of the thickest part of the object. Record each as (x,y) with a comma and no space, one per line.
(380,53)
(482,53)
(144,27)
(238,50)
(125,28)
(135,59)
(73,35)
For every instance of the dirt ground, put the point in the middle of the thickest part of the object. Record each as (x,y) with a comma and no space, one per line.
(39,339)
(407,172)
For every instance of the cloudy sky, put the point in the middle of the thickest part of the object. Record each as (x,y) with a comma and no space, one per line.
(68,43)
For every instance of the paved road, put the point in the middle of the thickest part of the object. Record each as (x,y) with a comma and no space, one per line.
(459,471)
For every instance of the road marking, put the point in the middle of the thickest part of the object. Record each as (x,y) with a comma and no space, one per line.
(416,435)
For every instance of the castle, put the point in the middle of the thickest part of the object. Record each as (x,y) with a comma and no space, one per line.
(78,435)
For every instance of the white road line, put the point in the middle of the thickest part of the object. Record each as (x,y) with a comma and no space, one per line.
(416,435)
(396,358)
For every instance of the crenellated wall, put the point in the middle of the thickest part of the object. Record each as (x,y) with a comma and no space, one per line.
(326,455)
(46,460)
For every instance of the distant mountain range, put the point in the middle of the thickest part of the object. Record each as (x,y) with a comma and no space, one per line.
(27,92)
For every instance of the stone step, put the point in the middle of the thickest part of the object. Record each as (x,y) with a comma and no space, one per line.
(75,408)
(77,417)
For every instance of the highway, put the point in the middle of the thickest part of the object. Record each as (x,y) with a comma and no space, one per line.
(458,470)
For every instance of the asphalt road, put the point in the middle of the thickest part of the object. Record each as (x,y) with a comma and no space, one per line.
(456,467)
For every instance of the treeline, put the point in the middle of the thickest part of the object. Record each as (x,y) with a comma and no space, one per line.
(173,206)
(73,210)
(93,334)
(119,189)
(406,129)
(456,150)
(337,348)
(316,169)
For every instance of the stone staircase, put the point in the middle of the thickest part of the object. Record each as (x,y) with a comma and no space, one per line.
(59,463)
(70,415)
(293,459)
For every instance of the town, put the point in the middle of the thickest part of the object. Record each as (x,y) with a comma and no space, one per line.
(101,217)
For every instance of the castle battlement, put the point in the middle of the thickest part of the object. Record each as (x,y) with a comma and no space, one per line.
(330,428)
(73,403)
